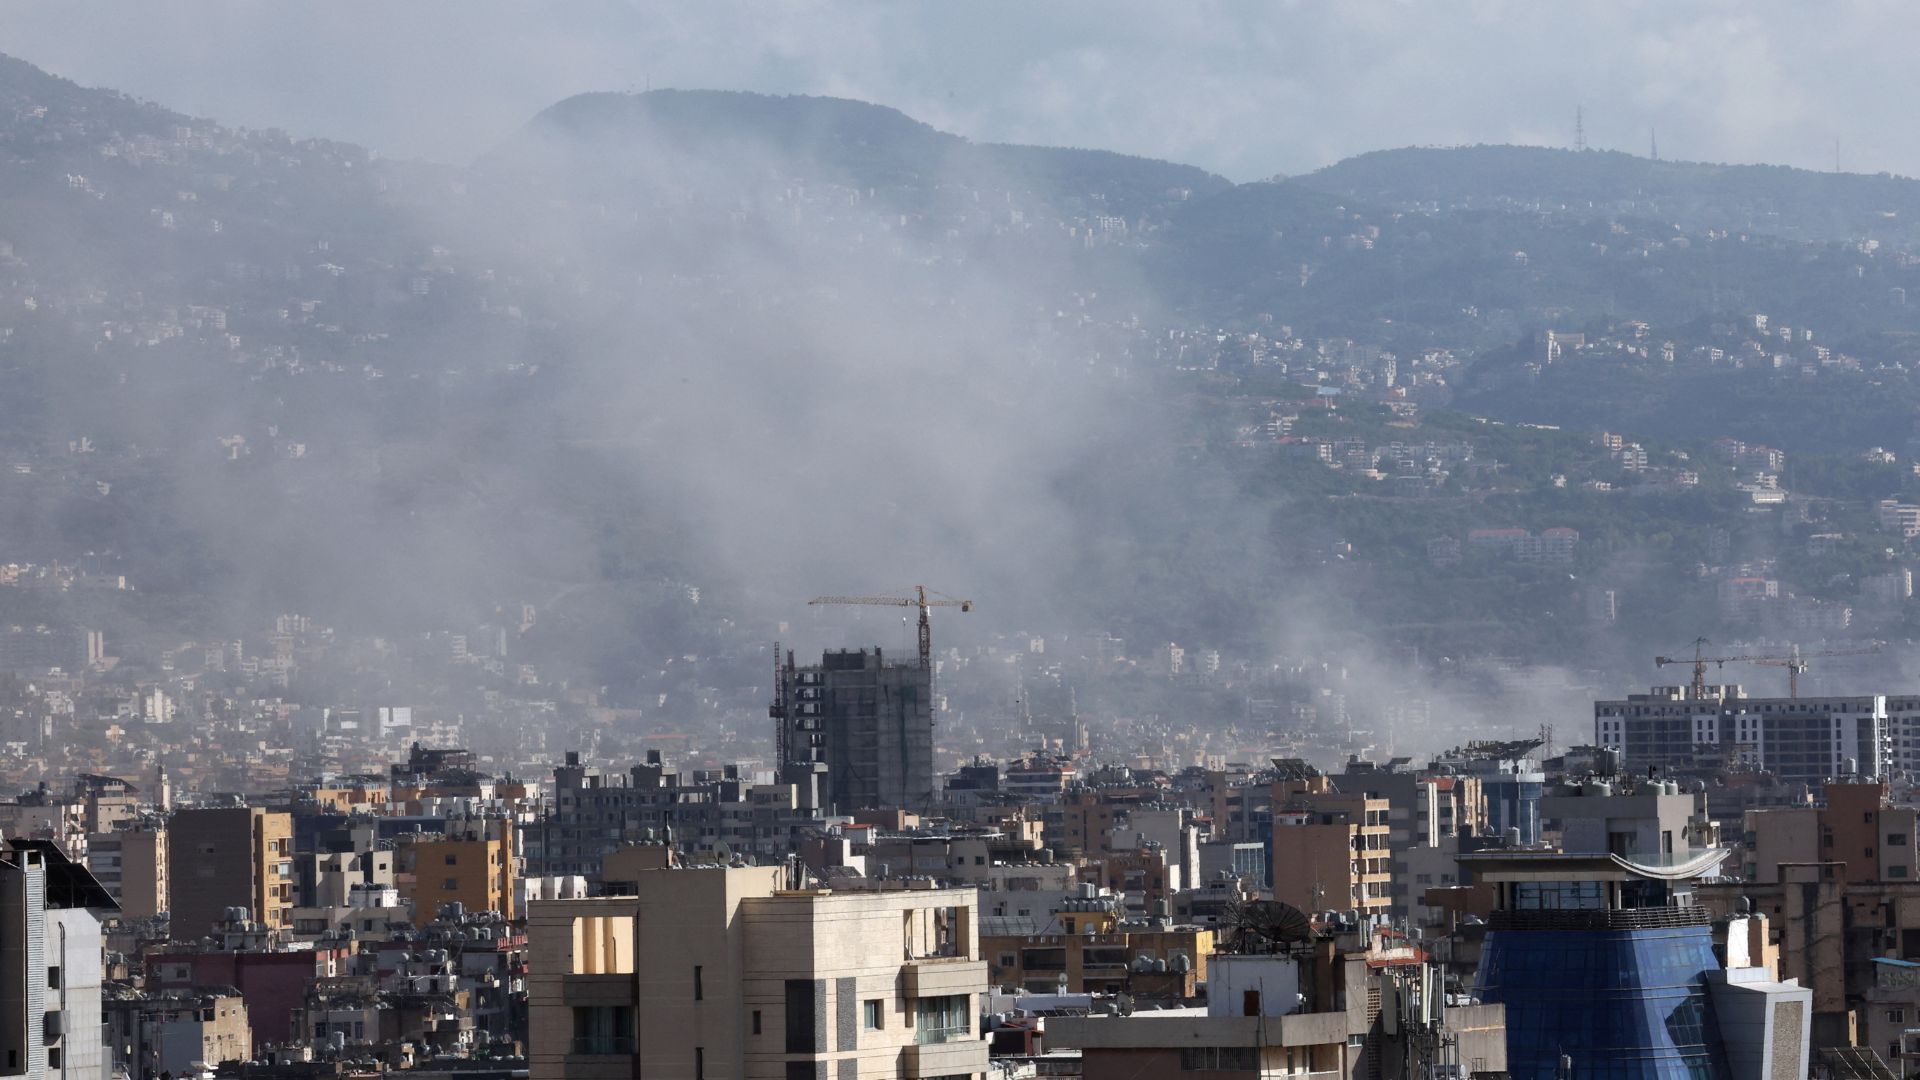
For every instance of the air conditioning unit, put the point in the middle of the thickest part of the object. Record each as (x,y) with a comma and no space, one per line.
(55,1024)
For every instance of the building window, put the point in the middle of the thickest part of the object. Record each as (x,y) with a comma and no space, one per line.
(603,1029)
(1219,1059)
(802,1011)
(699,1063)
(453,860)
(1896,1016)
(53,978)
(699,984)
(870,1012)
(53,1057)
(943,1019)
(756,1021)
(451,884)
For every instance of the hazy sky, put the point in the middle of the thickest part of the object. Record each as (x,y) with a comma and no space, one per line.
(1247,89)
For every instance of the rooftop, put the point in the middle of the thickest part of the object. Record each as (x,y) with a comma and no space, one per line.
(1522,865)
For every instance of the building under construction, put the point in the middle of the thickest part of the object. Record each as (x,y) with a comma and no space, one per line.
(856,732)
(1803,740)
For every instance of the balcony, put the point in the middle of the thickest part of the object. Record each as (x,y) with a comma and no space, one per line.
(598,989)
(943,976)
(602,1046)
(966,1056)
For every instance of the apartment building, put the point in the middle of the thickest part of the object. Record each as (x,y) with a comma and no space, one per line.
(229,857)
(1858,828)
(743,975)
(471,864)
(131,863)
(1803,740)
(1084,944)
(868,721)
(177,1031)
(1331,850)
(51,949)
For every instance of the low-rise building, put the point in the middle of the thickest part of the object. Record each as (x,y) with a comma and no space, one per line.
(1085,945)
(177,1032)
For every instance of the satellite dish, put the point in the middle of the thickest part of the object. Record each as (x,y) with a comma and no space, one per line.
(1265,925)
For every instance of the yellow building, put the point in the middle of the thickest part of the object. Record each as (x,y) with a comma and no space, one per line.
(471,864)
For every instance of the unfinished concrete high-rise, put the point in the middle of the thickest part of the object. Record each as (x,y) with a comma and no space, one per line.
(866,722)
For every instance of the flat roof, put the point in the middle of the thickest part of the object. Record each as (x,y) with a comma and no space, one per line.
(1521,865)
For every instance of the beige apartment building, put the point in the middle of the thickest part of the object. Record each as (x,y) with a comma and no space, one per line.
(229,857)
(1331,851)
(1858,827)
(722,972)
(132,863)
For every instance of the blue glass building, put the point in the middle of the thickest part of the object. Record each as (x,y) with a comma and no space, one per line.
(1510,778)
(1513,801)
(1602,965)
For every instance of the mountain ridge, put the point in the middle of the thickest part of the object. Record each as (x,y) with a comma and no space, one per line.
(1779,199)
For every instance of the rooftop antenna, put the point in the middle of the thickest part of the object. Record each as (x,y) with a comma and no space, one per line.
(1836,155)
(1653,139)
(1579,127)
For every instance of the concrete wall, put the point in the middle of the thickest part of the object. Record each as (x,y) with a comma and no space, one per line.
(476,873)
(1275,980)
(143,873)
(1313,866)
(1765,1026)
(1852,820)
(1781,836)
(183,1043)
(74,943)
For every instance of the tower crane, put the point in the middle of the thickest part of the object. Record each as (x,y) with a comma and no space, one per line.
(1795,662)
(919,600)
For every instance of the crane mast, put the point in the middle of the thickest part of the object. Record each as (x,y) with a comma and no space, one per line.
(778,711)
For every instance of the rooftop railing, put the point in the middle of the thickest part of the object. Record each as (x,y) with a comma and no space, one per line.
(1653,918)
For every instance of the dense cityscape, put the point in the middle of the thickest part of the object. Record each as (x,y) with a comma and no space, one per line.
(736,585)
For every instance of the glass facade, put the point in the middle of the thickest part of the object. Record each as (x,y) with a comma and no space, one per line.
(1513,802)
(1619,1004)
